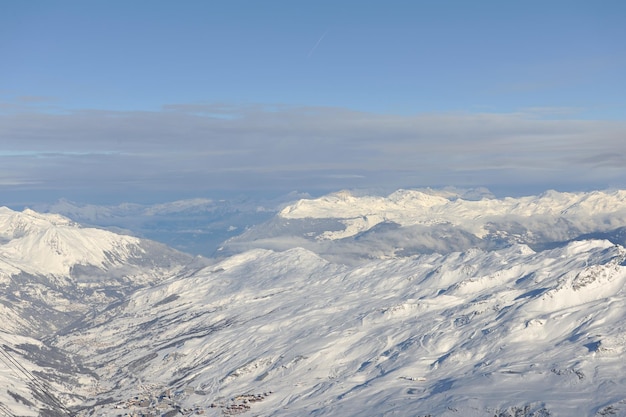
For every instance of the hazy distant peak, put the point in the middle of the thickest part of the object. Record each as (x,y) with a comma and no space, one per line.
(343,226)
(405,204)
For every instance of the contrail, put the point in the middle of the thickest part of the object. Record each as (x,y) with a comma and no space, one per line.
(316,44)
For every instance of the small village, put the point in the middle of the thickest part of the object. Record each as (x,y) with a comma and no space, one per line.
(168,404)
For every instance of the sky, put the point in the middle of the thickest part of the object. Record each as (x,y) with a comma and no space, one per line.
(111,101)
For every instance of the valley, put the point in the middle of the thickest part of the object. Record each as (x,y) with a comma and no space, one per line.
(100,324)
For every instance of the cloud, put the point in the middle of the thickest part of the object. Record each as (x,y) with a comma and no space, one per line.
(615,159)
(201,147)
(35,99)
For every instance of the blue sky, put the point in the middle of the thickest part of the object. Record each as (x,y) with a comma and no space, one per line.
(162,99)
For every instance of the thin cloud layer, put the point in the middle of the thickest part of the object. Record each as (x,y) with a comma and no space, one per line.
(199,148)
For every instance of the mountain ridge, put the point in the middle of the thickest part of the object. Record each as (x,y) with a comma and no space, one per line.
(196,226)
(423,331)
(407,207)
(345,226)
(461,328)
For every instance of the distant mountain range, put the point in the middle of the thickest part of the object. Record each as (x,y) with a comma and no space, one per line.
(421,303)
(195,226)
(342,226)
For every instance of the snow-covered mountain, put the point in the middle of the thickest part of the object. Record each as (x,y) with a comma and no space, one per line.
(499,329)
(53,268)
(196,226)
(341,225)
(288,333)
(53,274)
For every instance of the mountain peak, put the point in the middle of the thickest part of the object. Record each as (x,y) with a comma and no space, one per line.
(50,244)
(15,223)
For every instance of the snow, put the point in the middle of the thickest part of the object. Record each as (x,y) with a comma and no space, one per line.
(511,330)
(592,211)
(25,382)
(50,244)
(413,336)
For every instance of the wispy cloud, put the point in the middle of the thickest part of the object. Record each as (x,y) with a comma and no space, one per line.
(35,99)
(316,44)
(211,147)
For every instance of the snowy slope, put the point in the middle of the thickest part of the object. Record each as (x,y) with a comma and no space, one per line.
(52,245)
(36,379)
(409,207)
(52,271)
(464,334)
(478,325)
(407,222)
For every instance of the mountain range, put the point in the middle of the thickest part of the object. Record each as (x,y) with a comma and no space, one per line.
(419,303)
(196,226)
(343,227)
